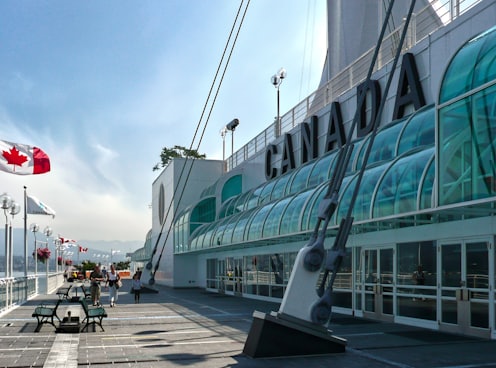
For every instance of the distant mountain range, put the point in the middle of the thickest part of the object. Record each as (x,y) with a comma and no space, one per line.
(96,248)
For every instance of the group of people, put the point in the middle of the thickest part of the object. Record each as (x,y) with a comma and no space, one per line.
(112,282)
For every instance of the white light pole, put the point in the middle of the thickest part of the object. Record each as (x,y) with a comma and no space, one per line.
(276,81)
(59,252)
(112,252)
(48,232)
(35,228)
(9,206)
(223,133)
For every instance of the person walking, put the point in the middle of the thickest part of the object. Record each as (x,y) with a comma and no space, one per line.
(96,277)
(112,280)
(136,288)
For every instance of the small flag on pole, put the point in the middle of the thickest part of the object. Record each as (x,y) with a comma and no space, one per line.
(70,242)
(82,250)
(21,159)
(37,207)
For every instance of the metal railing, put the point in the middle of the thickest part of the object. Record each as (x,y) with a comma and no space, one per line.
(421,25)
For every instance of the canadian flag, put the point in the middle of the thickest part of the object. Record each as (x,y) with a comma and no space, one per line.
(82,250)
(21,159)
(65,240)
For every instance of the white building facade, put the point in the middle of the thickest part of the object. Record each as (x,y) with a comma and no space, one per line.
(421,249)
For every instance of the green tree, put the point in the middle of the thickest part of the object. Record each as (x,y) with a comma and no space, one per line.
(168,154)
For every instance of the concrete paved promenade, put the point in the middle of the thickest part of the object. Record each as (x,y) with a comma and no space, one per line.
(192,328)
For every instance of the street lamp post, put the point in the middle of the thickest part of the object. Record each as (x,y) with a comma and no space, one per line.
(276,81)
(232,127)
(9,206)
(112,252)
(58,251)
(48,232)
(35,228)
(223,133)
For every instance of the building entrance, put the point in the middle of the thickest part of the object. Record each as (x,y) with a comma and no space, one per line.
(378,269)
(466,304)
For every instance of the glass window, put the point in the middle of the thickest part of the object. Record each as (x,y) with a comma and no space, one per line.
(426,192)
(271,225)
(240,204)
(290,221)
(419,130)
(361,210)
(484,140)
(300,178)
(471,67)
(207,238)
(308,220)
(229,229)
(384,147)
(398,190)
(321,169)
(254,199)
(227,207)
(347,189)
(239,230)
(455,156)
(280,187)
(257,222)
(414,258)
(232,187)
(267,191)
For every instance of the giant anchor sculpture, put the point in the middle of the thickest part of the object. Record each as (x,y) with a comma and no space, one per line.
(298,326)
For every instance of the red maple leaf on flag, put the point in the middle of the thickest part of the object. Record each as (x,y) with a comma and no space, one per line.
(13,157)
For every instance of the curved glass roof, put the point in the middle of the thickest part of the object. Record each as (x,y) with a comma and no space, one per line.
(399,179)
(322,169)
(398,191)
(472,66)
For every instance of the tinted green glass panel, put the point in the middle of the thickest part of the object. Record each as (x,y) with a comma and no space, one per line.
(397,193)
(419,130)
(290,221)
(227,207)
(256,225)
(384,147)
(471,67)
(280,187)
(321,169)
(455,156)
(254,199)
(361,210)
(267,191)
(239,230)
(300,178)
(271,225)
(426,196)
(308,221)
(232,187)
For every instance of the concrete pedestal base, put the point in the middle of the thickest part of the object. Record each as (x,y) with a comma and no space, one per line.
(276,335)
(69,325)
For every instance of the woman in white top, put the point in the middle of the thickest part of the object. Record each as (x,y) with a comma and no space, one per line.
(112,278)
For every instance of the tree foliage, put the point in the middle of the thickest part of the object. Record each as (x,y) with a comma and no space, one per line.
(168,154)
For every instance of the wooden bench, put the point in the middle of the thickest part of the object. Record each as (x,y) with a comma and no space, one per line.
(63,292)
(45,313)
(93,315)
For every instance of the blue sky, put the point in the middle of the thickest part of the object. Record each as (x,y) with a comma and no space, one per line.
(102,86)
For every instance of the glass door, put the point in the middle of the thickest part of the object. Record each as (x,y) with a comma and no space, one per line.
(378,283)
(465,300)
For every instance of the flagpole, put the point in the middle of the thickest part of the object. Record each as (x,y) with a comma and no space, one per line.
(25,237)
